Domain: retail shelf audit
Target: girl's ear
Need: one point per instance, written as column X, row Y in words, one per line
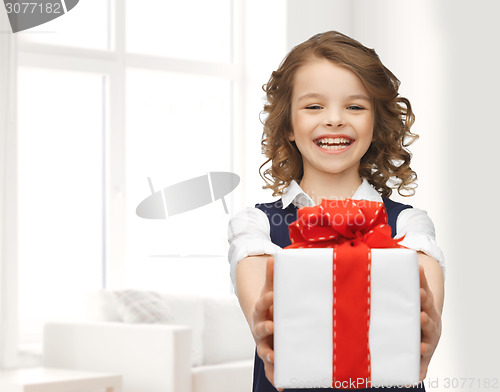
column 291, row 136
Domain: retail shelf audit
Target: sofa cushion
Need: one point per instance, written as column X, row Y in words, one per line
column 140, row 306
column 226, row 335
column 227, row 377
column 187, row 309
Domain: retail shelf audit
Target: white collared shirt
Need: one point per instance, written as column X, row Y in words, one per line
column 249, row 229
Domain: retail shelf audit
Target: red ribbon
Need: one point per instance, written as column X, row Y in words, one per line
column 351, row 227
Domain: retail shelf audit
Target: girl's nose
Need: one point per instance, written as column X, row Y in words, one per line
column 333, row 117
column 334, row 121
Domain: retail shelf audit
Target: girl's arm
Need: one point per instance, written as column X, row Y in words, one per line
column 435, row 279
column 254, row 279
column 250, row 279
column 431, row 299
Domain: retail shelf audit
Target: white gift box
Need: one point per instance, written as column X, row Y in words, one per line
column 303, row 301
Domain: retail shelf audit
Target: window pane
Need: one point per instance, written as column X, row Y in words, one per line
column 87, row 25
column 178, row 127
column 191, row 29
column 60, row 194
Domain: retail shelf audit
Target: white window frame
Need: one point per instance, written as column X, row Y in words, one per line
column 113, row 64
column 8, row 197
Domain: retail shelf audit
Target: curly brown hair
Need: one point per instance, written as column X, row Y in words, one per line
column 387, row 159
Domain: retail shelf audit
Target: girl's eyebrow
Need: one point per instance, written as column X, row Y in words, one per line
column 310, row 95
column 359, row 96
column 316, row 95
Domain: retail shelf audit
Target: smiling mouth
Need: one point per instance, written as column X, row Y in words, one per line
column 335, row 143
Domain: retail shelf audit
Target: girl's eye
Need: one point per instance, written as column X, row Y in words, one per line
column 314, row 107
column 355, row 107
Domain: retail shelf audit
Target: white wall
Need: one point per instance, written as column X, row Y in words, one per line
column 446, row 55
column 306, row 18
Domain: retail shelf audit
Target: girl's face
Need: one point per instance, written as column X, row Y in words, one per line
column 332, row 118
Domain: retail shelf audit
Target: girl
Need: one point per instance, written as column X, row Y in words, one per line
column 335, row 129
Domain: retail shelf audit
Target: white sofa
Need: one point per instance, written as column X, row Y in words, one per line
column 188, row 344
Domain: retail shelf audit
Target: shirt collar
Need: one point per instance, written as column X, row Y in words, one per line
column 294, row 194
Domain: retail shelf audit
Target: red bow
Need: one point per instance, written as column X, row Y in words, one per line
column 334, row 222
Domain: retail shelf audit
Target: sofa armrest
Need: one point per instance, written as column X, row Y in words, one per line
column 151, row 357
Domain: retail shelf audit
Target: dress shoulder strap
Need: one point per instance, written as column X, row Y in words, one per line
column 279, row 219
column 393, row 209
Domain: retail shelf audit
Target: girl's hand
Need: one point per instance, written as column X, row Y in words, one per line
column 430, row 321
column 263, row 325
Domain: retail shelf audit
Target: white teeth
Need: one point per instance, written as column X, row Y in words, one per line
column 333, row 143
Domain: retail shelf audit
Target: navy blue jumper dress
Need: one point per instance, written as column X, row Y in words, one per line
column 279, row 219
